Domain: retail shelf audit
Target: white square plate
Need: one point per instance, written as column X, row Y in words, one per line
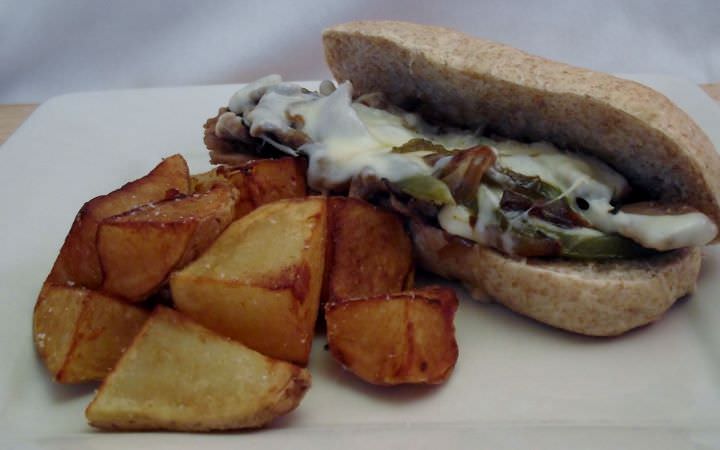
column 517, row 384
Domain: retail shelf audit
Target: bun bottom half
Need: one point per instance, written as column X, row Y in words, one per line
column 595, row 298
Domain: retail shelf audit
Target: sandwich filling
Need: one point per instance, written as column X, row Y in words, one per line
column 524, row 199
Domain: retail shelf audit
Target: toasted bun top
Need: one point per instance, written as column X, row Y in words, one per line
column 478, row 83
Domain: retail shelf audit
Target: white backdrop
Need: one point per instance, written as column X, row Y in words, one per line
column 52, row 47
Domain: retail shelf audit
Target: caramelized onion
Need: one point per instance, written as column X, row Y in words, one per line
column 557, row 212
column 464, row 172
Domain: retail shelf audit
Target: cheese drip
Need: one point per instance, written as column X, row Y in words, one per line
column 347, row 139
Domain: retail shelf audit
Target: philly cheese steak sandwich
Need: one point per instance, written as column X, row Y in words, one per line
column 573, row 197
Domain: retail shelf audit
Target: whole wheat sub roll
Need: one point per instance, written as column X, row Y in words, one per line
column 475, row 83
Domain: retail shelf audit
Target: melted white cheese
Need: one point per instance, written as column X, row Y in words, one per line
column 344, row 145
column 455, row 219
column 579, row 176
column 584, row 176
column 667, row 232
column 660, row 232
column 348, row 139
column 247, row 98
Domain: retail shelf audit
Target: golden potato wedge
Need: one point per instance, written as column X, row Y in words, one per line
column 260, row 281
column 203, row 182
column 78, row 262
column 267, row 180
column 369, row 251
column 80, row 334
column 178, row 375
column 245, row 202
column 258, row 181
column 139, row 248
column 408, row 337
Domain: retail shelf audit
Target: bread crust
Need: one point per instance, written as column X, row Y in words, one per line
column 482, row 84
column 599, row 298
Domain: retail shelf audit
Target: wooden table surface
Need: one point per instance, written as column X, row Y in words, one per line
column 11, row 116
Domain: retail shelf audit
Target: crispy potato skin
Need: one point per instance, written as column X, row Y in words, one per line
column 407, row 337
column 78, row 261
column 247, row 256
column 122, row 248
column 139, row 248
column 221, row 383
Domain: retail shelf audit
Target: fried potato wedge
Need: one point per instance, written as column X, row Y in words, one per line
column 178, row 375
column 80, row 334
column 139, row 248
column 78, row 261
column 269, row 180
column 369, row 251
column 408, row 337
column 260, row 281
column 236, row 177
column 258, row 182
column 203, row 182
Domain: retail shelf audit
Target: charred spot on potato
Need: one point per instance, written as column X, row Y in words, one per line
column 301, row 284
